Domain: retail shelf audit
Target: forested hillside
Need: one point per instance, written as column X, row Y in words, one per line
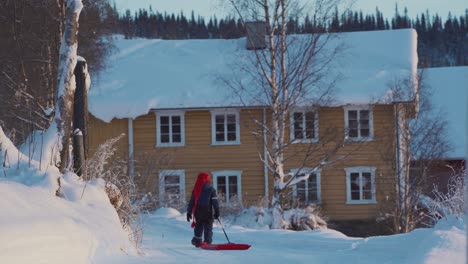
column 441, row 42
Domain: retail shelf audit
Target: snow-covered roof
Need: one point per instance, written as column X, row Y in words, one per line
column 150, row 74
column 449, row 88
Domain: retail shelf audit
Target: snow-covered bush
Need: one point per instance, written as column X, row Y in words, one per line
column 114, row 170
column 309, row 218
column 147, row 202
column 259, row 217
column 452, row 203
column 233, row 207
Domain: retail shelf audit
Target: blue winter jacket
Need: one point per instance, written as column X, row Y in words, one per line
column 206, row 203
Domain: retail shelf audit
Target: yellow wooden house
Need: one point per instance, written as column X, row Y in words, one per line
column 162, row 95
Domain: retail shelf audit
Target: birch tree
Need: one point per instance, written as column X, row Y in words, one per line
column 290, row 72
column 66, row 80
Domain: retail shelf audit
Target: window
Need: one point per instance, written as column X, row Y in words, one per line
column 171, row 188
column 228, row 186
column 225, row 128
column 304, row 126
column 360, row 185
column 307, row 191
column 170, row 128
column 359, row 123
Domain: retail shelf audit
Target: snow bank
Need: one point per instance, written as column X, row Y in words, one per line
column 451, row 235
column 158, row 74
column 166, row 212
column 38, row 227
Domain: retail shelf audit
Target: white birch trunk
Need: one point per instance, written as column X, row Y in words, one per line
column 66, row 82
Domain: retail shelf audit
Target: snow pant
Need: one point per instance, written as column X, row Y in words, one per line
column 203, row 229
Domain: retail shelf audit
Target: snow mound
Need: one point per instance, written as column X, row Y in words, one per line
column 39, row 227
column 166, row 212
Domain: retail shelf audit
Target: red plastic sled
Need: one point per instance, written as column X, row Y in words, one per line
column 228, row 246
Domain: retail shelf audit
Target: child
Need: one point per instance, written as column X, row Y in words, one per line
column 201, row 205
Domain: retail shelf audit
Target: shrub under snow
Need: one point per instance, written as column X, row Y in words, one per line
column 261, row 218
column 452, row 203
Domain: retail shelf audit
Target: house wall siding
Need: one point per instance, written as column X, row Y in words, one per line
column 100, row 131
column 199, row 155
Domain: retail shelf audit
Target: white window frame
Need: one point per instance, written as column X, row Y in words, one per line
column 225, row 112
column 291, row 126
column 159, row 114
column 371, row 122
column 318, row 176
column 225, row 173
column 161, row 183
column 360, row 170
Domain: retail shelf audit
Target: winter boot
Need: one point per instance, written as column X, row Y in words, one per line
column 196, row 242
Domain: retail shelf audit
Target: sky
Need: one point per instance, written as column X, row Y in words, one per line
column 209, row 8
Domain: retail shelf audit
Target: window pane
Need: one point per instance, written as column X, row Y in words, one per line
column 297, row 126
column 232, row 187
column 367, row 195
column 301, row 191
column 231, row 127
column 310, row 117
column 219, row 119
column 366, row 181
column 355, row 186
column 298, row 134
column 310, row 125
column 219, row 128
column 364, row 124
column 353, row 133
column 297, row 116
column 310, row 133
column 175, row 128
column 231, row 119
column 365, row 133
column 364, row 115
column 176, row 120
column 176, row 138
column 231, row 136
column 221, row 187
column 164, row 138
column 164, row 120
column 352, row 115
column 171, row 179
column 172, row 189
column 164, row 129
column 312, row 188
column 219, row 136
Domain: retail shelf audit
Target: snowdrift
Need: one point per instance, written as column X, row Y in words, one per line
column 38, row 227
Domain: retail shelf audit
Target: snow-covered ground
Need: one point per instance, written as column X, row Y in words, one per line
column 82, row 227
column 167, row 240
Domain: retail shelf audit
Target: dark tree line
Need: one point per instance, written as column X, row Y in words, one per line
column 150, row 24
column 30, row 38
column 440, row 43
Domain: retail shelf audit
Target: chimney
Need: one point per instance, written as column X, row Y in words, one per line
column 255, row 35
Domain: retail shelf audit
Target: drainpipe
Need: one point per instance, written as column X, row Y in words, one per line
column 397, row 136
column 265, row 158
column 131, row 167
